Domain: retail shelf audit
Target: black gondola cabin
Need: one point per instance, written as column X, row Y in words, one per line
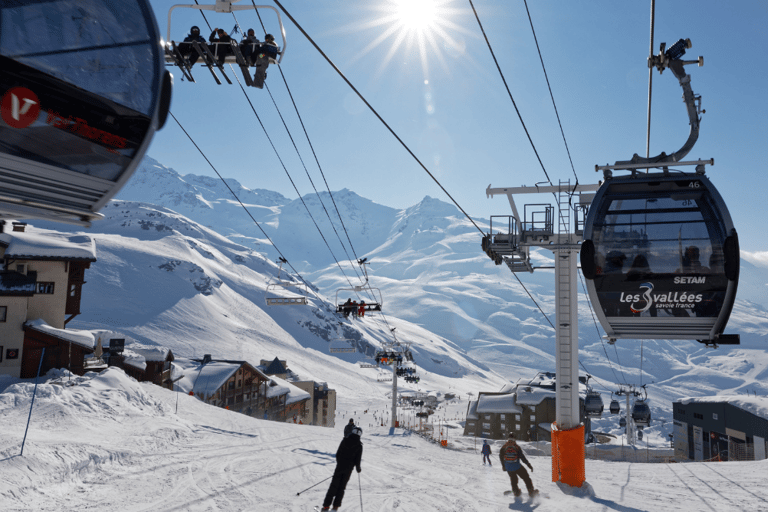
column 661, row 257
column 82, row 90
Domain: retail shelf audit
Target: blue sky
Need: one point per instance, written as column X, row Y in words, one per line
column 447, row 102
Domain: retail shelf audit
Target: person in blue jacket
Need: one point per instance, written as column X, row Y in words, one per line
column 486, row 451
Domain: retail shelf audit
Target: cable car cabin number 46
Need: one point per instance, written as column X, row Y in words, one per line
column 660, row 251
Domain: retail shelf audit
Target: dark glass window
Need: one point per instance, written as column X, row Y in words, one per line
column 104, row 47
column 45, row 288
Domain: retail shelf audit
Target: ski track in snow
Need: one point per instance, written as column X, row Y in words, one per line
column 142, row 456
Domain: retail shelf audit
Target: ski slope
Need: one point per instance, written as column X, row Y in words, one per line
column 105, row 442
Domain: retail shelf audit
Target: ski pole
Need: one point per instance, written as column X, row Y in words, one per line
column 359, row 486
column 311, row 486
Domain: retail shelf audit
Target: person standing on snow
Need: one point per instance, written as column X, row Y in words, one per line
column 486, row 451
column 348, row 456
column 510, row 456
column 349, row 426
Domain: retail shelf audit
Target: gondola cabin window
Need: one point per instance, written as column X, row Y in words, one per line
column 3, row 313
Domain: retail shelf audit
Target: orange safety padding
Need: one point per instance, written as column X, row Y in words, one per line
column 568, row 455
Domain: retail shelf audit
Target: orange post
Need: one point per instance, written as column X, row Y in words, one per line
column 568, row 456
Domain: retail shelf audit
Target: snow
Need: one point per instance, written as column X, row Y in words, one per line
column 498, row 403
column 38, row 243
column 196, row 285
column 104, row 441
column 533, row 395
column 757, row 405
column 79, row 337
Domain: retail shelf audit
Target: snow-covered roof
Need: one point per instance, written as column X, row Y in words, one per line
column 83, row 338
column 532, row 395
column 149, row 352
column 498, row 404
column 281, row 387
column 757, row 405
column 208, row 378
column 44, row 244
column 472, row 413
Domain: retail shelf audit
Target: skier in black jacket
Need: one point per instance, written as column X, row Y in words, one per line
column 348, row 428
column 348, row 456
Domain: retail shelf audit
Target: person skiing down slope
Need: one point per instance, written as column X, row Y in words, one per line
column 510, row 456
column 348, row 456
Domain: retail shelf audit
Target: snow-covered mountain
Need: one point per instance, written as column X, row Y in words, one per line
column 187, row 267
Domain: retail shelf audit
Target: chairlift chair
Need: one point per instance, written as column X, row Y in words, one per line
column 346, row 309
column 209, row 52
column 273, row 300
column 83, row 89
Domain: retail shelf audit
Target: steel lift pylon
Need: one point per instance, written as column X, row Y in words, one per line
column 513, row 248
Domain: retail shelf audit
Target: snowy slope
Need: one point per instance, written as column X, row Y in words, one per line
column 162, row 279
column 109, row 443
column 427, row 262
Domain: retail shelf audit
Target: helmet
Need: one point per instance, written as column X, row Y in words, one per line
column 357, row 431
column 195, row 29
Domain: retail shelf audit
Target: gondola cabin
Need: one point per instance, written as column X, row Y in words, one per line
column 661, row 258
column 622, row 422
column 83, row 89
column 641, row 414
column 593, row 404
column 615, row 408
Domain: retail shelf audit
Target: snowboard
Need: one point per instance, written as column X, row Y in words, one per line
column 522, row 495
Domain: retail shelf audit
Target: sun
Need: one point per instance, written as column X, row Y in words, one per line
column 416, row 15
column 423, row 28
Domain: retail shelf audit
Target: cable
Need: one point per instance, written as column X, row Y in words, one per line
column 594, row 320
column 373, row 110
column 509, row 92
column 241, row 204
column 550, row 91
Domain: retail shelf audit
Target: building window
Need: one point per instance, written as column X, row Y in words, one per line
column 517, row 417
column 487, row 416
column 502, row 417
column 533, row 418
column 503, row 427
column 517, row 427
column 3, row 313
column 21, row 269
column 45, row 288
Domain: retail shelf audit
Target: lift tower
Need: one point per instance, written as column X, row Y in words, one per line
column 537, row 229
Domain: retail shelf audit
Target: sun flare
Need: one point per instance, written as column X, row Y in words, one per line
column 418, row 15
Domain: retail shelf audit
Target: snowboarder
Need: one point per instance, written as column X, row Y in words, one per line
column 349, row 426
column 348, row 456
column 510, row 456
column 486, row 451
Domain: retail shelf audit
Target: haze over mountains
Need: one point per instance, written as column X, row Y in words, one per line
column 181, row 264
